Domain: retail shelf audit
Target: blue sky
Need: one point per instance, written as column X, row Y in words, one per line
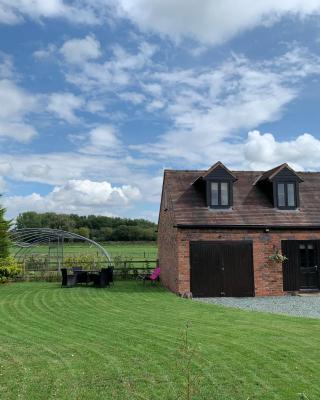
column 99, row 96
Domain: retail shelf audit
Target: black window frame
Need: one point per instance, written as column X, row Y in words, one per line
column 296, row 195
column 209, row 193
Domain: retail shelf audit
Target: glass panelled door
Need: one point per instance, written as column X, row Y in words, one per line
column 309, row 278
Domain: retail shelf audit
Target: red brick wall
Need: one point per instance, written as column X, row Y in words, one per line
column 174, row 254
column 167, row 249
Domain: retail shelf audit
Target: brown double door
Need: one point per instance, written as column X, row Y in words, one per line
column 300, row 270
column 221, row 268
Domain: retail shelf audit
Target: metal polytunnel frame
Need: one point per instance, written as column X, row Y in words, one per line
column 26, row 239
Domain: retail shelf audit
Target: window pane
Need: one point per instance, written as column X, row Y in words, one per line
column 291, row 196
column 214, row 194
column 281, row 199
column 224, row 194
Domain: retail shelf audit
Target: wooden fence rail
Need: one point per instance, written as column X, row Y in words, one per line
column 123, row 270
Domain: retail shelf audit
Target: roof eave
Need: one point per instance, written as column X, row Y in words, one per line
column 264, row 227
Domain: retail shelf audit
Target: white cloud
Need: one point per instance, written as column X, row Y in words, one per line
column 127, row 61
column 77, row 196
column 78, row 51
column 215, row 105
column 15, row 11
column 64, row 106
column 6, row 66
column 132, row 97
column 2, row 185
column 119, row 71
column 60, row 167
column 155, row 105
column 44, row 53
column 14, row 100
column 8, row 15
column 5, row 168
column 37, row 171
column 211, row 21
column 95, row 106
column 16, row 104
column 96, row 194
column 151, row 187
column 211, row 107
column 154, row 89
column 18, row 131
column 102, row 140
column 263, row 151
column 130, row 178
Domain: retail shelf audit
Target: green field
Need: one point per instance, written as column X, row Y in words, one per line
column 126, row 343
column 134, row 250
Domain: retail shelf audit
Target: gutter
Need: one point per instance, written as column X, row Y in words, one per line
column 263, row 227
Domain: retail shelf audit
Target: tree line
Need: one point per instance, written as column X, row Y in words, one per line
column 95, row 227
column 4, row 236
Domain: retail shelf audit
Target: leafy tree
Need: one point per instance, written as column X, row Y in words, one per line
column 106, row 233
column 96, row 227
column 84, row 231
column 4, row 236
column 29, row 219
column 120, row 233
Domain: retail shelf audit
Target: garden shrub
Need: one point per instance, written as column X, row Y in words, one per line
column 9, row 269
column 43, row 276
column 36, row 263
column 86, row 261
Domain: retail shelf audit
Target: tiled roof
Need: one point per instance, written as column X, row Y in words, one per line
column 251, row 207
column 274, row 171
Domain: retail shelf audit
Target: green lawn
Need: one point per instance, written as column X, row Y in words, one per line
column 125, row 343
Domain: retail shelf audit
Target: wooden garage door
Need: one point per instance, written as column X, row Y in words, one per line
column 221, row 269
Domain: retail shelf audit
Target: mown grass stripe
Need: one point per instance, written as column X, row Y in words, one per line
column 124, row 343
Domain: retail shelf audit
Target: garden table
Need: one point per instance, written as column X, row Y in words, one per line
column 85, row 276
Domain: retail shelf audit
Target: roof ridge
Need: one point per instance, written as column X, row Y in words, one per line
column 184, row 170
column 235, row 171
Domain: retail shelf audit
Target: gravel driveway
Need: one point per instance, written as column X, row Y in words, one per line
column 300, row 306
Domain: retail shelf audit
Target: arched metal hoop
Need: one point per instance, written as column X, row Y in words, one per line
column 27, row 239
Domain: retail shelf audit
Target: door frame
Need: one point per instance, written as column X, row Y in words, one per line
column 316, row 261
column 291, row 266
column 225, row 242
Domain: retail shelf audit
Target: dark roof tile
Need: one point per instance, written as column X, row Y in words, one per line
column 251, row 205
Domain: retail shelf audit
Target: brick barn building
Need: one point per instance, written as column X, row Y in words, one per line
column 224, row 233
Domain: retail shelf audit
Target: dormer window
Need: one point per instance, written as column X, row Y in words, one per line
column 286, row 195
column 217, row 183
column 220, row 194
column 281, row 186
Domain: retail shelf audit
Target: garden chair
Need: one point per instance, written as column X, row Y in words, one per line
column 81, row 276
column 109, row 275
column 68, row 280
column 101, row 279
column 153, row 277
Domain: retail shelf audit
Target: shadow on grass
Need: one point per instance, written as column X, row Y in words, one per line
column 117, row 287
